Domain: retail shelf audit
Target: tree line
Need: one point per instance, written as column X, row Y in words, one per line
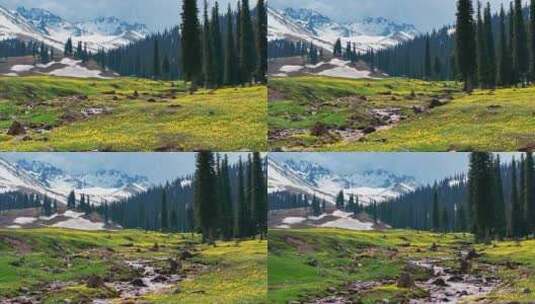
column 20, row 200
column 493, row 201
column 237, row 56
column 482, row 50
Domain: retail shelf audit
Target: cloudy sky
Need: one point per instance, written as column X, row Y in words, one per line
column 158, row 167
column 424, row 14
column 156, row 14
column 425, row 167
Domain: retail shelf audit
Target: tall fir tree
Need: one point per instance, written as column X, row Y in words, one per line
column 156, row 67
column 529, row 192
column 427, row 64
column 206, row 210
column 217, row 46
column 209, row 74
column 247, row 44
column 436, row 211
column 532, row 39
column 505, row 63
column 490, row 77
column 261, row 41
column 521, row 44
column 231, row 62
column 164, row 216
column 191, row 42
column 466, row 43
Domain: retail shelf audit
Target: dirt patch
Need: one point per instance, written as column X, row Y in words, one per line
column 300, row 245
column 19, row 245
column 275, row 95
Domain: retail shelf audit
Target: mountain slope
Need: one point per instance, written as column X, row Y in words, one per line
column 313, row 179
column 42, row 25
column 312, row 26
column 45, row 179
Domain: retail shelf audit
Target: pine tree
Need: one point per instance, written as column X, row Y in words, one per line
column 512, row 43
column 436, row 211
column 490, row 63
column 261, row 41
column 445, row 221
column 529, row 192
column 166, row 67
column 230, row 76
column 207, row 51
column 156, row 64
column 466, row 45
column 247, row 43
column 217, row 46
column 481, row 46
column 227, row 212
column 71, row 201
column 438, row 68
column 516, row 207
column 240, row 224
column 205, row 199
column 427, row 68
column 500, row 222
column 164, row 216
column 316, row 208
column 461, row 218
column 337, row 51
column 259, row 196
column 340, row 200
column 174, row 221
column 521, row 44
column 505, row 69
column 191, row 43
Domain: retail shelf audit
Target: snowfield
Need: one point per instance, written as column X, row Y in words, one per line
column 66, row 67
column 25, row 220
column 293, row 220
column 345, row 72
column 80, row 224
column 291, row 68
column 345, row 221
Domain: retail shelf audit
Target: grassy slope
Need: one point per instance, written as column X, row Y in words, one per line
column 467, row 123
column 346, row 256
column 30, row 258
column 223, row 120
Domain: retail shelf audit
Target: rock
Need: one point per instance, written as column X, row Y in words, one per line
column 332, row 290
column 174, row 265
column 465, row 266
column 24, row 290
column 151, row 100
column 185, row 254
column 369, row 130
column 95, row 281
column 456, row 278
column 115, row 98
column 405, row 280
column 177, row 290
column 440, row 282
column 160, row 279
column 16, row 129
column 472, row 254
column 418, row 109
column 433, row 247
column 319, row 129
column 138, row 283
column 526, row 291
column 312, row 262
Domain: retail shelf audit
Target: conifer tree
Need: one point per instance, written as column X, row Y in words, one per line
column 217, row 46
column 466, row 45
column 166, row 67
column 261, row 41
column 532, row 39
column 481, row 48
column 191, row 43
column 207, row 51
column 316, row 208
column 71, row 200
column 156, row 67
column 247, row 44
column 445, row 221
column 505, row 69
column 500, row 222
column 340, row 200
column 427, row 66
column 436, row 212
column 516, row 207
column 337, row 51
column 164, row 216
column 461, row 218
column 512, row 43
column 259, row 196
column 230, row 76
column 529, row 192
column 490, row 62
column 205, row 199
column 521, row 44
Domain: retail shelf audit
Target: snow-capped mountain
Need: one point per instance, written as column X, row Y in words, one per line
column 312, row 26
column 42, row 25
column 43, row 178
column 312, row 179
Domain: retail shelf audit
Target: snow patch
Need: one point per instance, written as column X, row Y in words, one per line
column 77, row 72
column 79, row 223
column 48, row 218
column 24, row 220
column 22, row 68
column 11, row 74
column 73, row 214
column 14, row 227
column 293, row 220
column 291, row 68
column 345, row 72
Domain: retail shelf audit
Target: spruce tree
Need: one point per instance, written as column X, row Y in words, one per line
column 217, row 46
column 516, row 207
column 436, row 211
column 481, row 47
column 156, row 64
column 532, row 39
column 209, row 73
column 340, row 200
column 529, row 192
column 427, row 65
column 206, row 209
column 521, row 44
column 490, row 64
column 505, row 69
column 164, row 216
column 247, row 44
column 261, row 41
column 337, row 51
column 259, row 196
column 466, row 45
column 500, row 221
column 191, row 43
column 230, row 71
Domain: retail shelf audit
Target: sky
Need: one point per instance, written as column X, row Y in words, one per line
column 425, row 167
column 158, row 167
column 156, row 14
column 426, row 15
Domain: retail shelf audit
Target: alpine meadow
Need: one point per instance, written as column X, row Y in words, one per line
column 195, row 233
column 379, row 230
column 375, row 84
column 109, row 85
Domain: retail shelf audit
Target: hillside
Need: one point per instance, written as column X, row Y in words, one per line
column 44, row 26
column 66, row 114
column 399, row 266
column 57, row 266
column 396, row 114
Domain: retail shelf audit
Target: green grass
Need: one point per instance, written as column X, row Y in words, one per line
column 500, row 120
column 163, row 117
column 304, row 263
column 235, row 272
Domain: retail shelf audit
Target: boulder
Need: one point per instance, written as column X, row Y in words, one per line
column 465, row 266
column 138, row 283
column 95, row 281
column 440, row 282
column 369, row 130
column 16, row 129
column 405, row 280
